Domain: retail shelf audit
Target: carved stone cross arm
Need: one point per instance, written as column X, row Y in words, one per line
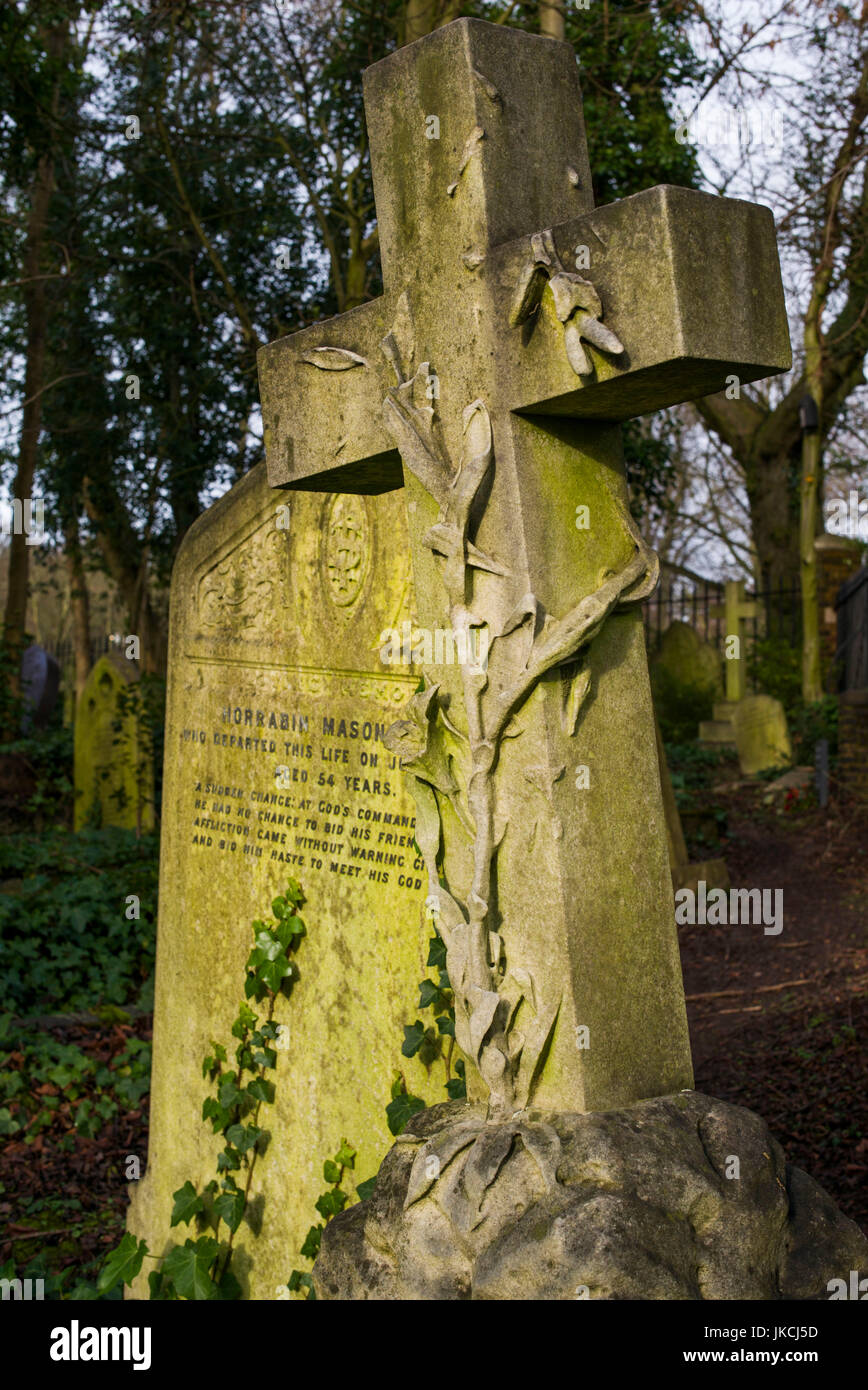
column 688, row 283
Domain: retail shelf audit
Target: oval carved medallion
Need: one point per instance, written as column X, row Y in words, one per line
column 346, row 549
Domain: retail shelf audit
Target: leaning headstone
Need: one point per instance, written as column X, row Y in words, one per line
column 534, row 771
column 114, row 779
column 40, row 683
column 274, row 768
column 761, row 734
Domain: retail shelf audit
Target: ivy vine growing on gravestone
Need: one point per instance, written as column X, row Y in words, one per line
column 424, row 1041
column 201, row 1267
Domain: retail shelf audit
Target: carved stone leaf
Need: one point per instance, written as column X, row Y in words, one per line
column 410, row 426
column 483, row 1164
column 527, row 607
column 475, row 463
column 598, row 334
column 576, row 696
column 427, row 821
column 571, row 292
column 443, row 1147
column 399, row 344
column 544, row 1146
column 537, row 1037
column 576, row 355
column 332, row 359
column 483, row 1004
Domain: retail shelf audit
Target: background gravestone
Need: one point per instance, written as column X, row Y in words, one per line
column 273, row 663
column 761, row 734
column 40, row 683
column 114, row 779
column 686, row 680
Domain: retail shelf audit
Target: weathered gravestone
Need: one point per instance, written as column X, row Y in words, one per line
column 114, row 779
column 688, row 659
column 274, row 768
column 40, row 683
column 686, row 680
column 761, row 734
column 535, row 775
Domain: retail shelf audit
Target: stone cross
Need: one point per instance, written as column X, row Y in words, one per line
column 517, row 326
column 735, row 612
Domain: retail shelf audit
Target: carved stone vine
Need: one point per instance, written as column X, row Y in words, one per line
column 577, row 304
column 448, row 766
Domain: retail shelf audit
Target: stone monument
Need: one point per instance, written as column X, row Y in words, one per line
column 489, row 378
column 114, row 777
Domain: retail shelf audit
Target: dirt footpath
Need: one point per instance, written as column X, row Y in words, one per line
column 779, row 1023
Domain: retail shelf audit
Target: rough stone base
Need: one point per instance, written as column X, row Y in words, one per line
column 632, row 1203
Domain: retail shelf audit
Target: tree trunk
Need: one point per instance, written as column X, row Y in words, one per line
column 422, row 17
column 79, row 606
column 771, row 482
column 551, row 18
column 127, row 563
column 31, row 415
column 34, row 294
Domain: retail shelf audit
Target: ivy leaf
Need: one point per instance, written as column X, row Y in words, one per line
column 229, row 1206
column 188, row 1266
column 160, row 1289
column 261, row 1090
column 243, row 1137
column 228, row 1161
column 269, row 945
column 331, row 1171
column 456, row 1089
column 413, row 1036
column 401, row 1110
column 213, row 1111
column 279, row 907
column 330, row 1203
column 290, row 929
column 123, row 1264
column 428, row 992
column 365, row 1190
column 228, row 1094
column 273, row 973
column 294, row 892
column 446, row 1025
column 345, row 1155
column 246, row 1020
column 229, row 1286
column 187, row 1204
column 312, row 1242
column 437, row 952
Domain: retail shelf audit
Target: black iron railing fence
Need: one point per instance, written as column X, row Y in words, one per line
column 64, row 651
column 776, row 614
